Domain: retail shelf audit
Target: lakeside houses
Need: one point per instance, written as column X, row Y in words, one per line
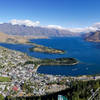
column 18, row 79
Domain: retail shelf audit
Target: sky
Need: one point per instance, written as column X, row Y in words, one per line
column 65, row 13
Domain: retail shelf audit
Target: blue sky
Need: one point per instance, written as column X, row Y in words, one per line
column 66, row 13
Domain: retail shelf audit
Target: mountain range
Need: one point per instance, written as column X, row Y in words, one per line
column 18, row 32
column 36, row 31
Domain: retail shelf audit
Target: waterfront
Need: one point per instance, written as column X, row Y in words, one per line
column 87, row 53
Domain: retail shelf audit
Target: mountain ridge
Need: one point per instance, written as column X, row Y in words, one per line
column 36, row 31
column 93, row 36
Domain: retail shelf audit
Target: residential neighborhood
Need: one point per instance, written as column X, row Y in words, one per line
column 20, row 79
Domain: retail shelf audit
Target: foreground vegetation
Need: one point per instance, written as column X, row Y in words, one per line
column 5, row 79
column 78, row 90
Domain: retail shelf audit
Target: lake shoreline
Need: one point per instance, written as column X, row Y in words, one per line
column 75, row 48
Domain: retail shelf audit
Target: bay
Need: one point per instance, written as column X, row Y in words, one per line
column 88, row 53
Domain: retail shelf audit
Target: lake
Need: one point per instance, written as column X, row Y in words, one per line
column 88, row 53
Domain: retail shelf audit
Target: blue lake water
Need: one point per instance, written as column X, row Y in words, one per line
column 88, row 53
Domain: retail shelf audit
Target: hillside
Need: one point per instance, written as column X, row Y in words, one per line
column 93, row 36
column 5, row 38
column 12, row 39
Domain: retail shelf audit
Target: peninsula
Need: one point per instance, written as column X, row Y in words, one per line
column 51, row 62
column 59, row 61
column 44, row 49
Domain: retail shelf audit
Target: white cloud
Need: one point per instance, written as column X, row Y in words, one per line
column 25, row 22
column 55, row 26
column 87, row 29
column 97, row 25
column 1, row 22
column 94, row 27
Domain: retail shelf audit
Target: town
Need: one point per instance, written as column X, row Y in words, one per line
column 20, row 79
